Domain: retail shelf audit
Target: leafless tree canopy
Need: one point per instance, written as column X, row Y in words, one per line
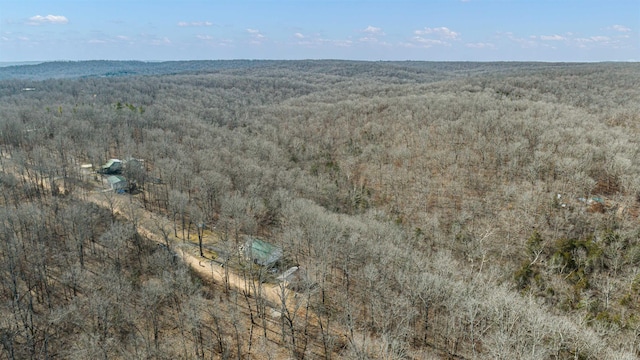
column 438, row 210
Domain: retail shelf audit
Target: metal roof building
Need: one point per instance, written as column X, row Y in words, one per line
column 261, row 252
column 113, row 166
column 117, row 183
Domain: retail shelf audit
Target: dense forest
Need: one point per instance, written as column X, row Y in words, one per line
column 432, row 210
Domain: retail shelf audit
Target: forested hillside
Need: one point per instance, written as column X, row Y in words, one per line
column 439, row 210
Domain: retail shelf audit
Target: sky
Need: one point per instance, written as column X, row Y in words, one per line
column 431, row 30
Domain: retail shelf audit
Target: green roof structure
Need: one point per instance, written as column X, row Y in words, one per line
column 113, row 166
column 261, row 252
column 117, row 182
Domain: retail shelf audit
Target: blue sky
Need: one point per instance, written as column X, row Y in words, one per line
column 468, row 30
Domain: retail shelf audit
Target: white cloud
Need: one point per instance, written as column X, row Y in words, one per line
column 315, row 41
column 372, row 30
column 570, row 40
column 104, row 39
column 594, row 41
column 439, row 36
column 371, row 35
column 551, row 37
column 194, row 23
column 299, row 35
column 443, row 32
column 374, row 41
column 407, row 45
column 204, row 37
column 425, row 42
column 164, row 41
column 525, row 43
column 342, row 43
column 257, row 37
column 11, row 37
column 620, row 28
column 480, row 45
column 368, row 39
column 49, row 19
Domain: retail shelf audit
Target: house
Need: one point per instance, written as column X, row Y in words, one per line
column 117, row 183
column 261, row 252
column 113, row 166
column 295, row 278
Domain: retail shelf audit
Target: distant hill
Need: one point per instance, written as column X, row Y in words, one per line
column 18, row 63
column 104, row 68
column 408, row 70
